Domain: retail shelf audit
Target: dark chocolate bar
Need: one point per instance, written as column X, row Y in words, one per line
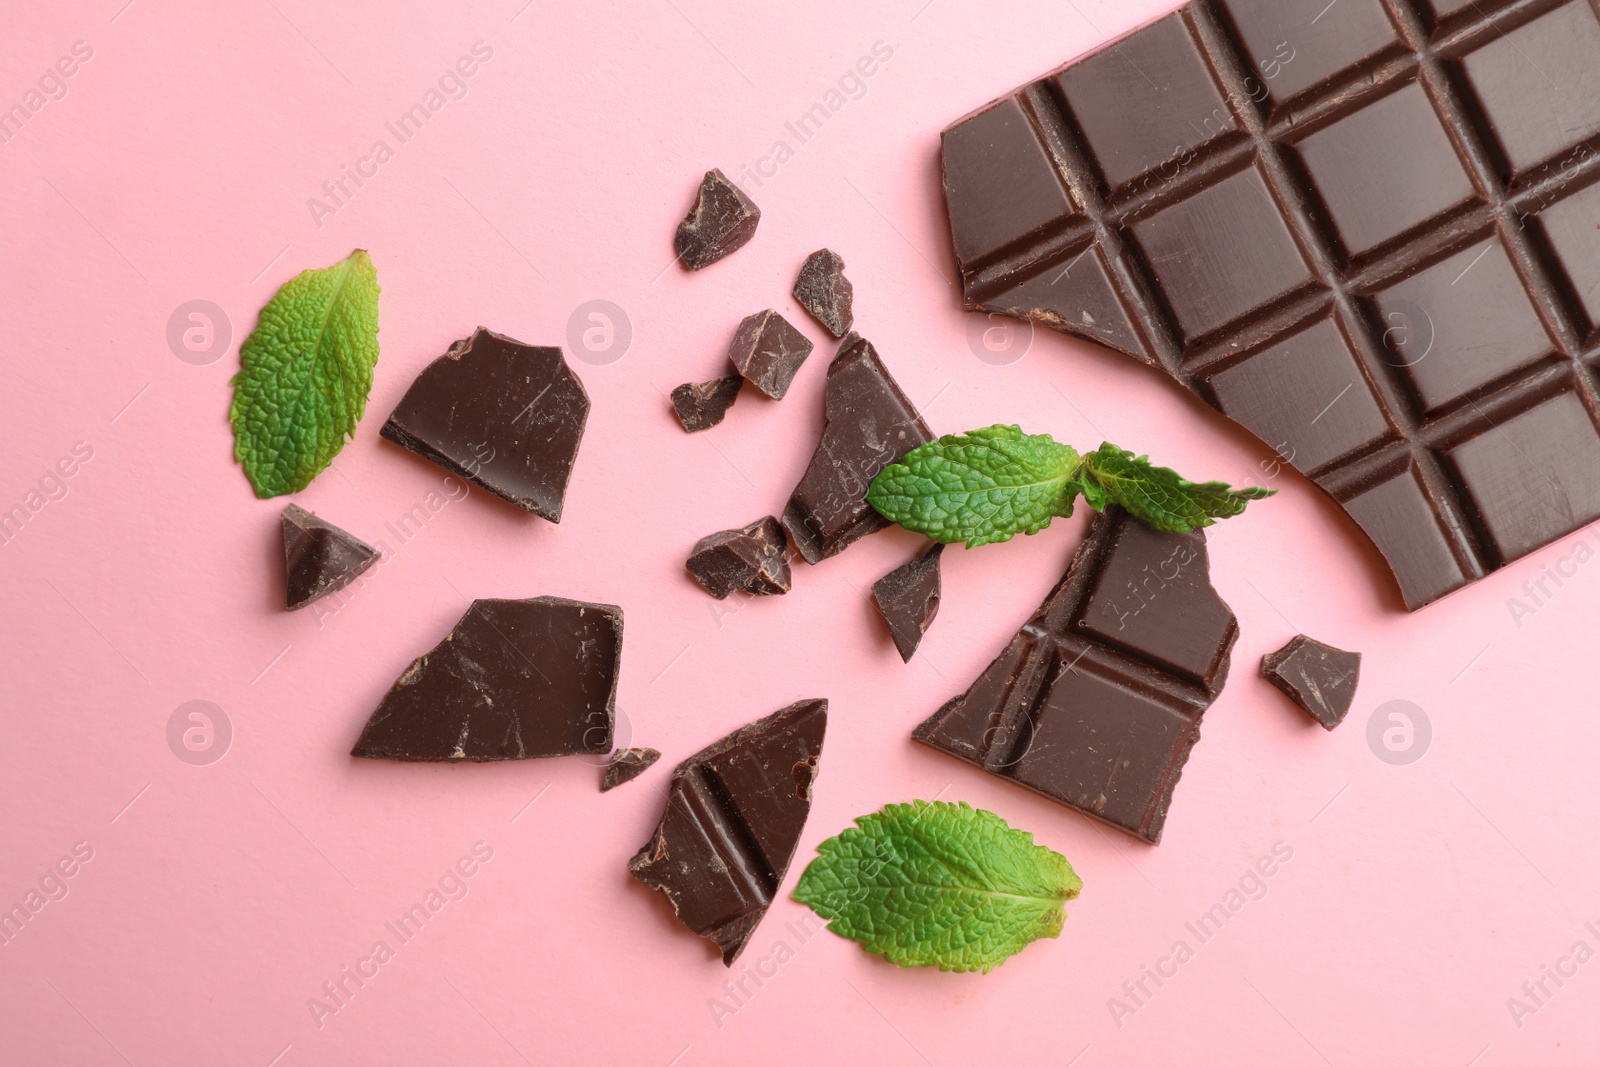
column 733, row 820
column 702, row 405
column 1097, row 700
column 754, row 560
column 1366, row 231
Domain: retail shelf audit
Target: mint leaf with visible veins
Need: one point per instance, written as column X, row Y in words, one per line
column 981, row 487
column 305, row 372
column 1158, row 496
column 939, row 885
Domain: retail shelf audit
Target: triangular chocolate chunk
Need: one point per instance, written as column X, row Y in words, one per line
column 319, row 557
column 625, row 765
column 868, row 423
column 502, row 414
column 1097, row 700
column 1319, row 678
column 719, row 223
column 908, row 599
column 515, row 679
column 734, row 815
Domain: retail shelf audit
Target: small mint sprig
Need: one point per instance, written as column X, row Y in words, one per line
column 992, row 484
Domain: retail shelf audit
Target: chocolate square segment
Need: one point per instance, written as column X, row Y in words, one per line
column 1539, row 84
column 1460, row 324
column 1146, row 101
column 1097, row 700
column 1402, row 521
column 1078, row 297
column 1536, row 477
column 1294, row 44
column 1110, row 750
column 1385, row 169
column 1572, row 227
column 1304, row 396
column 1000, row 183
column 1222, row 252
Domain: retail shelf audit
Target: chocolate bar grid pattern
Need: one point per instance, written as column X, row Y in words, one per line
column 1075, row 681
column 1266, row 137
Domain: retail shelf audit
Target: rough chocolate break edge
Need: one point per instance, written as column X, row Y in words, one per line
column 1097, row 700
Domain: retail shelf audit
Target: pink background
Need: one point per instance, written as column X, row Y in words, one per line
column 219, row 898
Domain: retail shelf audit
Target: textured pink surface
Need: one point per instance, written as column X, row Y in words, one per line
column 1418, row 900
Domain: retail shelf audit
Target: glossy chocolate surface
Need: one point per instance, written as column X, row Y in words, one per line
column 1097, row 700
column 515, row 679
column 319, row 558
column 1366, row 231
column 734, row 816
column 504, row 415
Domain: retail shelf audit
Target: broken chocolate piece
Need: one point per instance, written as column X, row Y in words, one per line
column 701, row 405
column 753, row 560
column 720, row 223
column 868, row 424
column 502, row 414
column 768, row 351
column 320, row 558
column 734, row 815
column 515, row 679
column 908, row 599
column 1319, row 678
column 1097, row 700
column 823, row 290
column 627, row 764
column 1295, row 210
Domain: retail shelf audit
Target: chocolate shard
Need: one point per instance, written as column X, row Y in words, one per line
column 1097, row 700
column 319, row 557
column 1303, row 229
column 720, row 223
column 734, row 815
column 868, row 424
column 701, row 405
column 1319, row 678
column 501, row 414
column 823, row 290
column 768, row 351
column 753, row 560
column 625, row 765
column 908, row 599
column 515, row 679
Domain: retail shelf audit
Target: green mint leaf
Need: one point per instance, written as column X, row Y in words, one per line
column 939, row 885
column 1158, row 496
column 980, row 487
column 304, row 375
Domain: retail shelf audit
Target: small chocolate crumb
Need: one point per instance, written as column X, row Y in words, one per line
column 753, row 560
column 823, row 290
column 720, row 223
column 1319, row 678
column 626, row 765
column 908, row 599
column 768, row 351
column 319, row 557
column 701, row 405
